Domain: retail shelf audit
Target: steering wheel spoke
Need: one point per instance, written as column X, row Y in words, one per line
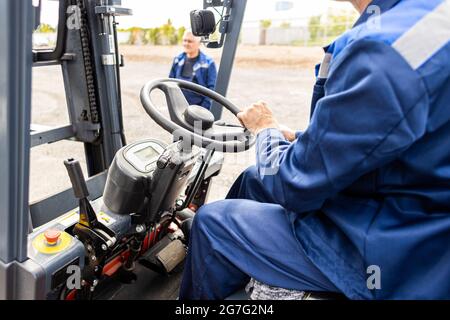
column 176, row 101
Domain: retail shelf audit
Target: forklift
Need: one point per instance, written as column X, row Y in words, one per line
column 123, row 232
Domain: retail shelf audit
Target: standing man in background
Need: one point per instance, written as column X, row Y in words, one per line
column 194, row 66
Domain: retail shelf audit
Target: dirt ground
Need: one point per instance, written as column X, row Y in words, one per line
column 281, row 76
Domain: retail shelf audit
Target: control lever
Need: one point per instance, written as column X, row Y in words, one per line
column 97, row 237
column 88, row 218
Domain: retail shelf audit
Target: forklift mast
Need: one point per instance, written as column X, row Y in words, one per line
column 87, row 51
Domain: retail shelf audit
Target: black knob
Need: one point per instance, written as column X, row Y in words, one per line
column 196, row 115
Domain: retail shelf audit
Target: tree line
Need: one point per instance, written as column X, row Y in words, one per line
column 334, row 26
column 167, row 34
column 321, row 29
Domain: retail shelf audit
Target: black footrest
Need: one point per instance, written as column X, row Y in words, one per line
column 164, row 256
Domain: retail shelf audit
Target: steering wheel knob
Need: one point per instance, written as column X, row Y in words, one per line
column 199, row 116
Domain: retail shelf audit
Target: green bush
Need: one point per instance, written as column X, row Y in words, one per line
column 152, row 36
column 45, row 28
column 265, row 24
column 180, row 34
column 320, row 33
column 167, row 34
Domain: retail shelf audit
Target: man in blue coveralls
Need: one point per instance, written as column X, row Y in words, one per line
column 365, row 188
column 194, row 66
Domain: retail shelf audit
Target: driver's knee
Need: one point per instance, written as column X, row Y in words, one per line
column 250, row 174
column 250, row 187
column 246, row 180
column 206, row 217
column 211, row 220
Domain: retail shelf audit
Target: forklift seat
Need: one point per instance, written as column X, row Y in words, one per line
column 273, row 293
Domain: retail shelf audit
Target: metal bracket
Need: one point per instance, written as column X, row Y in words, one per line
column 113, row 11
column 228, row 3
column 212, row 3
column 223, row 28
column 68, row 57
column 42, row 135
column 109, row 59
column 217, row 3
column 224, row 20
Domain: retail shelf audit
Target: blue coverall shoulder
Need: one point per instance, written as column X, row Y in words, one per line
column 179, row 58
column 387, row 26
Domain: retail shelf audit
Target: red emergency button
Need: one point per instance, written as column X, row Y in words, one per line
column 52, row 237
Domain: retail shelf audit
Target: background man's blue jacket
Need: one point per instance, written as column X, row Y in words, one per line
column 204, row 74
column 368, row 182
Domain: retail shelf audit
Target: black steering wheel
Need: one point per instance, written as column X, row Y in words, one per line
column 194, row 123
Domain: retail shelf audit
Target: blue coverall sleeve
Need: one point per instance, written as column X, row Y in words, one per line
column 210, row 84
column 172, row 73
column 375, row 107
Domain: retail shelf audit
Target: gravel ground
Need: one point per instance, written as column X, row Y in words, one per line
column 281, row 76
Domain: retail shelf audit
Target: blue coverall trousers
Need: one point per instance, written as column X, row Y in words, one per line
column 246, row 235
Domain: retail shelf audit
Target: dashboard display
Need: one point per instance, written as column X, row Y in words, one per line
column 146, row 154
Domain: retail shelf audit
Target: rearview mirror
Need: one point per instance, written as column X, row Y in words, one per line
column 203, row 23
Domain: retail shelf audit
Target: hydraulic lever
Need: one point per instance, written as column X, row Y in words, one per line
column 88, row 218
column 97, row 238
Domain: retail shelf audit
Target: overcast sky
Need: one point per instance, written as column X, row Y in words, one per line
column 152, row 13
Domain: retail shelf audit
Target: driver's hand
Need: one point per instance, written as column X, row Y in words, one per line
column 288, row 133
column 257, row 117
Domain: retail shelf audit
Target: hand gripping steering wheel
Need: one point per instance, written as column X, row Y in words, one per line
column 195, row 123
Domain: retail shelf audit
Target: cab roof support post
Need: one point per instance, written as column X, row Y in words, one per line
column 16, row 25
column 229, row 50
